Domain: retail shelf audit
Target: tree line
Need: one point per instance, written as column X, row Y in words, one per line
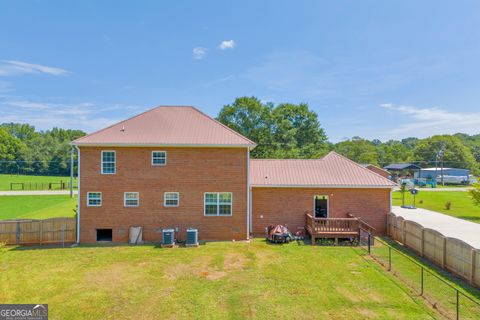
column 293, row 131
column 24, row 150
column 284, row 130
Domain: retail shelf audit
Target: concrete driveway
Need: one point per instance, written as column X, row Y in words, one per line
column 449, row 226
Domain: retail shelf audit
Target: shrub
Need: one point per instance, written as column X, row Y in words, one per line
column 475, row 193
column 448, row 205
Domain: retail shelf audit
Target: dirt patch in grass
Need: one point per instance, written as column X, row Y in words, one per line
column 264, row 258
column 367, row 314
column 114, row 276
column 212, row 273
column 347, row 294
column 234, row 261
column 204, row 269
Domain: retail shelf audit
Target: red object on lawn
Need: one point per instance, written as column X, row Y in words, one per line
column 279, row 234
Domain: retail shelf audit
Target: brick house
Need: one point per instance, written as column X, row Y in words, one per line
column 175, row 167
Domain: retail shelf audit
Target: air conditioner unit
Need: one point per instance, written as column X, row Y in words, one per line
column 168, row 237
column 192, row 237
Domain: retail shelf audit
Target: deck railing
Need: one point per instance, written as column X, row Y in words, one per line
column 332, row 225
column 336, row 227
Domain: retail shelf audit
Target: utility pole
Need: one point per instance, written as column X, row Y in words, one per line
column 71, row 173
column 440, row 157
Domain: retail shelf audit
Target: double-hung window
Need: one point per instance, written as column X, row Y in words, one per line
column 159, row 158
column 171, row 199
column 218, row 204
column 94, row 199
column 108, row 162
column 131, row 199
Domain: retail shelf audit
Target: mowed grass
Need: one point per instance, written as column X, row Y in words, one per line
column 36, row 207
column 462, row 205
column 219, row 280
column 406, row 265
column 38, row 182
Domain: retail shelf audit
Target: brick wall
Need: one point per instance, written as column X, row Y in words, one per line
column 273, row 206
column 189, row 171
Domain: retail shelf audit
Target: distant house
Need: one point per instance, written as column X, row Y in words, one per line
column 175, row 167
column 401, row 166
column 377, row 170
column 450, row 175
column 432, row 173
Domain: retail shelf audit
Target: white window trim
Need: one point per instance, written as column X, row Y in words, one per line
column 94, row 205
column 218, row 205
column 159, row 164
column 101, row 162
column 125, row 199
column 165, row 199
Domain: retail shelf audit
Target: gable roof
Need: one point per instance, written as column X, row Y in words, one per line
column 402, row 166
column 167, row 126
column 333, row 170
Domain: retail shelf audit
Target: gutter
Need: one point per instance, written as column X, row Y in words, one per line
column 78, row 194
column 323, row 186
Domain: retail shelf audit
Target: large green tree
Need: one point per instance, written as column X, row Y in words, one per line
column 12, row 152
column 40, row 152
column 283, row 131
column 358, row 150
column 252, row 119
column 455, row 154
column 297, row 132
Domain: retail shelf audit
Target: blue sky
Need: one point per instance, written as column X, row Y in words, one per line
column 376, row 69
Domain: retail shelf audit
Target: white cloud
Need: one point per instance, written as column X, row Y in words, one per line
column 227, row 44
column 199, row 53
column 431, row 121
column 85, row 116
column 14, row 67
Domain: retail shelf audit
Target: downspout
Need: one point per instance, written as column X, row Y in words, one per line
column 248, row 193
column 391, row 192
column 78, row 194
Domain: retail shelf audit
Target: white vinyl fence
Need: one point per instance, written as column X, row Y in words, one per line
column 452, row 254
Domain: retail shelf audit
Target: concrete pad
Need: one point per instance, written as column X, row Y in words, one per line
column 464, row 230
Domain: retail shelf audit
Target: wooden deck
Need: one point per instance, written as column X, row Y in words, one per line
column 335, row 228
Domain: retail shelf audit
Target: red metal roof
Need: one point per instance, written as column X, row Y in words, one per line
column 167, row 125
column 333, row 170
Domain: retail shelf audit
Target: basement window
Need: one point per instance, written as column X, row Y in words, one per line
column 131, row 199
column 159, row 158
column 104, row 235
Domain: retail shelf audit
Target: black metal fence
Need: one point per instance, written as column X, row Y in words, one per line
column 60, row 185
column 449, row 300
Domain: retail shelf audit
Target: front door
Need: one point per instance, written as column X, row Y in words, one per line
column 321, row 206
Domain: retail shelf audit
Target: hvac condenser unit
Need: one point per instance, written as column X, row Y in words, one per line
column 168, row 237
column 192, row 237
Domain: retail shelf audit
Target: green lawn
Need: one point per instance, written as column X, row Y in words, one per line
column 38, row 182
column 462, row 204
column 36, row 207
column 436, row 291
column 219, row 280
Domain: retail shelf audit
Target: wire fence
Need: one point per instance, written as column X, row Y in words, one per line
column 450, row 301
